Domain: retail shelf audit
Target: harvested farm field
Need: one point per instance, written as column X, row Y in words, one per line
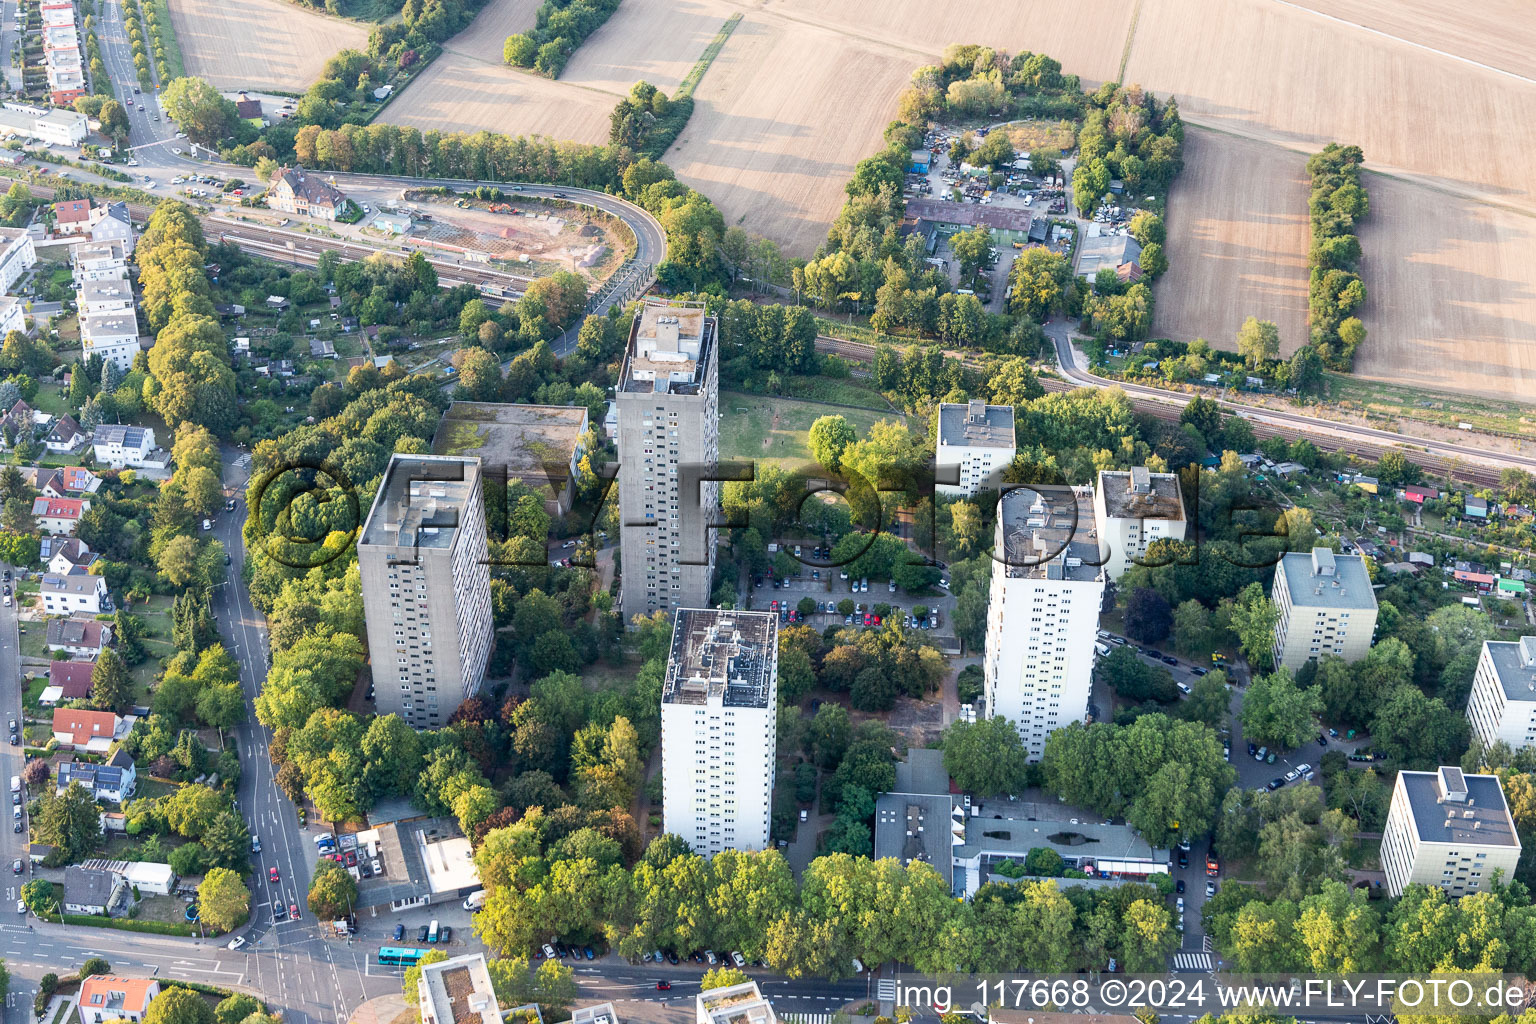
column 1237, row 242
column 259, row 44
column 469, row 89
column 1498, row 33
column 1279, row 72
column 1087, row 36
column 774, row 135
column 1452, row 297
column 460, row 93
column 657, row 41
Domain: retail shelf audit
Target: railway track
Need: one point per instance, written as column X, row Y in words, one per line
column 1456, row 468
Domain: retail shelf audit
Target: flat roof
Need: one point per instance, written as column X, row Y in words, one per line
column 1141, row 494
column 1481, row 817
column 100, row 288
column 669, row 349
column 919, row 827
column 459, row 991
column 118, row 324
column 420, row 501
column 1514, row 666
column 1324, row 579
column 734, row 1004
column 727, row 657
column 1017, row 836
column 535, row 443
column 922, row 772
column 976, row 425
column 1048, row 532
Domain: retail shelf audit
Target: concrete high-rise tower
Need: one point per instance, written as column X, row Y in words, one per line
column 669, row 418
column 426, row 587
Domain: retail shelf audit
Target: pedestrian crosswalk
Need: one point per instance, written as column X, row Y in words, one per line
column 1192, row 962
column 808, row 1018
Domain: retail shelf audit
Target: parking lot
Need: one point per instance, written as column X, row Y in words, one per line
column 831, row 590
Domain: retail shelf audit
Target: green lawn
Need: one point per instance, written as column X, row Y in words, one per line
column 34, row 642
column 837, row 392
column 774, row 430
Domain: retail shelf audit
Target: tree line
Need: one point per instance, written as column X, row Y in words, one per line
column 1335, row 290
column 543, row 885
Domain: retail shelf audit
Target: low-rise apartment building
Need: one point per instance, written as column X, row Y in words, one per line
column 1449, row 829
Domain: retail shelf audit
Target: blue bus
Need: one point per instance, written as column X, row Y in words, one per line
column 400, row 956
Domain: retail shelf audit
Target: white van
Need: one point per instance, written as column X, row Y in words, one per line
column 1102, row 650
column 475, row 900
column 15, row 783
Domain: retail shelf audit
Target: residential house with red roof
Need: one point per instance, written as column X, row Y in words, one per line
column 105, row 997
column 72, row 217
column 79, row 729
column 59, row 516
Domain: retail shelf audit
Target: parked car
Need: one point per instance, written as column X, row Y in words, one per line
column 548, row 951
column 421, row 936
column 399, row 932
column 739, row 960
column 1177, row 887
column 1210, row 889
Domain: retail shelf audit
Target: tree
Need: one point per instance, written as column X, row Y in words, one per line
column 971, row 248
column 1041, row 279
column 332, row 891
column 236, row 1008
column 1339, row 930
column 1192, row 632
column 1148, row 938
column 554, row 986
column 1278, row 713
column 520, row 50
column 1253, row 621
column 479, row 374
column 111, row 685
column 721, row 977
column 223, row 901
column 986, row 758
column 70, row 820
column 39, row 897
column 829, row 437
column 93, row 966
column 1208, row 700
column 1147, row 616
column 199, row 110
column 1258, row 341
column 179, row 1005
